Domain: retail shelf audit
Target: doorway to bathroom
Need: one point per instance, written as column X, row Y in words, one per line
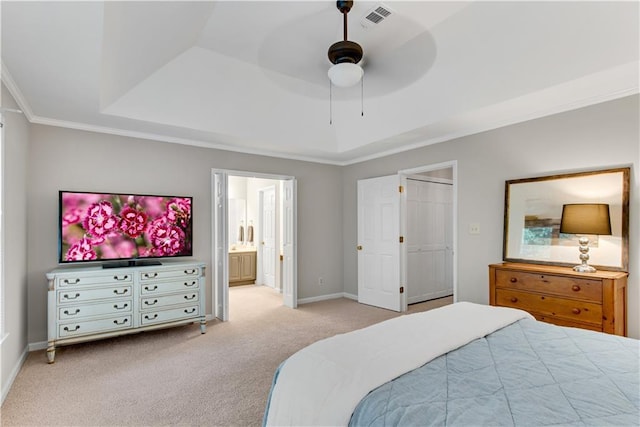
column 254, row 235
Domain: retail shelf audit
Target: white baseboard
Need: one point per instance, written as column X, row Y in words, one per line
column 350, row 296
column 14, row 373
column 326, row 297
column 34, row 346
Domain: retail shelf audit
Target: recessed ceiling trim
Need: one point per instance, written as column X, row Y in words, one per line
column 15, row 91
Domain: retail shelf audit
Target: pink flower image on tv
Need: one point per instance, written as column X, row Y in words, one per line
column 108, row 226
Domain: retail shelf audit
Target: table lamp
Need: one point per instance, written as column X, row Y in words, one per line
column 584, row 219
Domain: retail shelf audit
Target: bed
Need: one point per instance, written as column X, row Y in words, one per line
column 463, row 364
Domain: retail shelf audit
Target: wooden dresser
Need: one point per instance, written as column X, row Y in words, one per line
column 559, row 295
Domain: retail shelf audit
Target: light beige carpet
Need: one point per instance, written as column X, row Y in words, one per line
column 178, row 376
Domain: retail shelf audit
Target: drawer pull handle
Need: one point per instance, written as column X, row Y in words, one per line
column 514, row 299
column 575, row 311
column 155, row 316
column 125, row 305
column 187, row 311
column 66, row 328
column 513, row 279
column 147, row 288
column 66, row 296
column 190, row 297
column 575, row 288
column 74, row 282
column 125, row 277
column 150, row 276
column 190, row 284
column 124, row 291
column 121, row 323
column 155, row 301
column 72, row 314
column 189, row 272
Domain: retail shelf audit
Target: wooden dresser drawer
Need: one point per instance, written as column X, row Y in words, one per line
column 575, row 310
column 564, row 322
column 584, row 289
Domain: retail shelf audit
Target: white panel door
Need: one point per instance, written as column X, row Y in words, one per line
column 378, row 242
column 429, row 240
column 267, row 254
column 289, row 236
column 221, row 248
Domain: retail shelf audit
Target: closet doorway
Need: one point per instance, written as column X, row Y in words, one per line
column 254, row 235
column 421, row 264
column 429, row 236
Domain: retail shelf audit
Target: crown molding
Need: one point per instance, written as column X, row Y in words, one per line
column 15, row 91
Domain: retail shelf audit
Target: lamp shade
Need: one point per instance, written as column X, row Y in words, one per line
column 585, row 218
column 345, row 74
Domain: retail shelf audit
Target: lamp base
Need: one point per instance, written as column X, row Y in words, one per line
column 584, row 268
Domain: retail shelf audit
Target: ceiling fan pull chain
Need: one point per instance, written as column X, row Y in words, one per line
column 330, row 104
column 362, row 97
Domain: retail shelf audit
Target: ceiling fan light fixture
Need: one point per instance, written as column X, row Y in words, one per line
column 345, row 74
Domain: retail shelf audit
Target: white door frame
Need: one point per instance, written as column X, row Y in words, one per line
column 220, row 239
column 404, row 174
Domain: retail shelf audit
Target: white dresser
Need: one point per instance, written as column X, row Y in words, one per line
column 91, row 303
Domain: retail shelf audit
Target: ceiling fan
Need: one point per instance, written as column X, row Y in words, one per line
column 345, row 55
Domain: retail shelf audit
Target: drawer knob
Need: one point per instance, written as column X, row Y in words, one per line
column 124, row 291
column 190, row 272
column 575, row 311
column 150, row 275
column 189, row 284
column 514, row 299
column 125, row 305
column 190, row 297
column 155, row 316
column 72, row 282
column 155, row 301
column 121, row 323
column 72, row 314
column 575, row 288
column 513, row 279
column 125, row 277
column 187, row 311
column 66, row 296
column 148, row 288
column 66, row 328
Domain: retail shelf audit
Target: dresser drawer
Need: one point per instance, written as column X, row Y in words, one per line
column 73, row 280
column 88, row 310
column 571, row 287
column 167, row 287
column 564, row 322
column 154, row 302
column 574, row 310
column 169, row 315
column 183, row 273
column 94, row 326
column 82, row 295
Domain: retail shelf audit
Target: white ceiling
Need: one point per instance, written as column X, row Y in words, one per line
column 251, row 76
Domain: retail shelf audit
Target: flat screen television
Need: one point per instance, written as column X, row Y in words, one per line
column 123, row 229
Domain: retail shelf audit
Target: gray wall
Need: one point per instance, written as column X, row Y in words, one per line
column 66, row 159
column 14, row 262
column 601, row 136
column 598, row 137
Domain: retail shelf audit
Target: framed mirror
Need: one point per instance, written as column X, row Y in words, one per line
column 533, row 210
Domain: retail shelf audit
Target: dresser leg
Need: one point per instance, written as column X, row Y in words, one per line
column 51, row 352
column 203, row 326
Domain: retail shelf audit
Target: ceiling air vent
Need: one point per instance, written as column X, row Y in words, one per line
column 376, row 16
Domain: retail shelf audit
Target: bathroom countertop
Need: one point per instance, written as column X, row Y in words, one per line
column 241, row 248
